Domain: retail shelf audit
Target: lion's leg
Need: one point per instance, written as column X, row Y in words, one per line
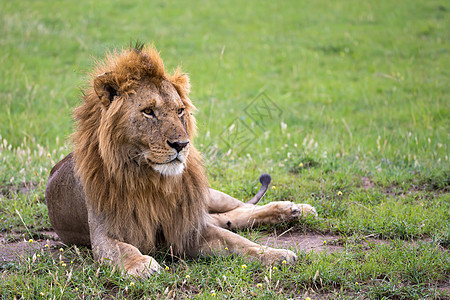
column 249, row 215
column 120, row 254
column 219, row 241
column 219, row 202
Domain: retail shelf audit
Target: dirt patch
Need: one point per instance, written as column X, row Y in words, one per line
column 436, row 186
column 11, row 251
column 367, row 183
column 22, row 188
column 445, row 290
column 301, row 241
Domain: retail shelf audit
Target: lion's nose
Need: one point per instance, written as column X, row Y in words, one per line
column 178, row 145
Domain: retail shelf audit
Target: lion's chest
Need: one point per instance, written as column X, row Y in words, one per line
column 154, row 227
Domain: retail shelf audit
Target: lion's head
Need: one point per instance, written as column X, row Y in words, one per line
column 133, row 147
column 145, row 113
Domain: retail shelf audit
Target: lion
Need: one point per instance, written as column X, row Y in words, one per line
column 135, row 183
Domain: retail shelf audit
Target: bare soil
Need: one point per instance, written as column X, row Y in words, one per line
column 301, row 241
column 10, row 251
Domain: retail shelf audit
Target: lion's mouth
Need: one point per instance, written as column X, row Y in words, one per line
column 173, row 166
column 176, row 160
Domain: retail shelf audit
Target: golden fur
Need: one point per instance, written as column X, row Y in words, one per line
column 140, row 206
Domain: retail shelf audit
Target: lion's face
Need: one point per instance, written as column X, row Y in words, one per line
column 149, row 126
column 157, row 128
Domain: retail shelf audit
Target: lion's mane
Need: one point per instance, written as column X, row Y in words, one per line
column 138, row 205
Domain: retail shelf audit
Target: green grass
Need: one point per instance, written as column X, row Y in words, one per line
column 359, row 130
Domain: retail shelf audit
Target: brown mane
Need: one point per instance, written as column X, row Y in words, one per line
column 141, row 206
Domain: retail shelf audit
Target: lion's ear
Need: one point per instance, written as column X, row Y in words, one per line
column 105, row 88
column 181, row 81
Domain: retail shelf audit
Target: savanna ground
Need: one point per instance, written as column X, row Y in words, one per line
column 344, row 103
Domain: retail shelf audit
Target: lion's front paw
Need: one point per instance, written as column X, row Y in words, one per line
column 143, row 266
column 275, row 256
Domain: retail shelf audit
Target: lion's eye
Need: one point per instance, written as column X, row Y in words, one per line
column 180, row 111
column 149, row 112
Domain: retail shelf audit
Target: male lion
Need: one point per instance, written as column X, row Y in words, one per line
column 135, row 182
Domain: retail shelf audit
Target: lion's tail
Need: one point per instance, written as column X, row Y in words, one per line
column 265, row 181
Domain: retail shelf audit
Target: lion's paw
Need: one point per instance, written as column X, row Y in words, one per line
column 144, row 266
column 276, row 256
column 304, row 210
column 290, row 211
